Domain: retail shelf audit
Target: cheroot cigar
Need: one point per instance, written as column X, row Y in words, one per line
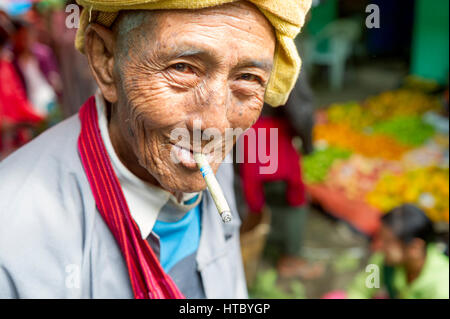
column 213, row 187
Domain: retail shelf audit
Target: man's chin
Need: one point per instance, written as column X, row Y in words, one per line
column 177, row 178
column 188, row 184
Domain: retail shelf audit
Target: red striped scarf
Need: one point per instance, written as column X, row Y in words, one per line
column 148, row 279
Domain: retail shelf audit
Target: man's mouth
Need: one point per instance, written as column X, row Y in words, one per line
column 185, row 156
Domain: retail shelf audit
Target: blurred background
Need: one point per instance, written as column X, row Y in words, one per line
column 365, row 130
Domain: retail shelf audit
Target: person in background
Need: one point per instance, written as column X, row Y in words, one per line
column 37, row 68
column 16, row 112
column 284, row 189
column 77, row 81
column 409, row 263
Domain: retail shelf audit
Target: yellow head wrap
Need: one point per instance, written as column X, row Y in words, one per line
column 287, row 17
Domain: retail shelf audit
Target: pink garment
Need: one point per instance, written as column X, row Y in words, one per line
column 338, row 294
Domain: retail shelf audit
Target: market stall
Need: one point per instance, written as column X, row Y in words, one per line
column 377, row 154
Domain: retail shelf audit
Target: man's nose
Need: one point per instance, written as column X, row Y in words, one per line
column 212, row 112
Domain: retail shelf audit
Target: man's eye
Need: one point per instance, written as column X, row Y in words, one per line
column 182, row 67
column 250, row 77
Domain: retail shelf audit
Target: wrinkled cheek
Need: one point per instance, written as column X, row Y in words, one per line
column 138, row 135
column 141, row 142
column 146, row 118
column 154, row 100
column 240, row 119
column 245, row 116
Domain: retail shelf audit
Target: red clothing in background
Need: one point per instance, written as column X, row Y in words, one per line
column 286, row 156
column 14, row 106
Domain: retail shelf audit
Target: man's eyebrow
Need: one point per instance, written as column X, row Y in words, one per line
column 265, row 65
column 187, row 51
column 190, row 51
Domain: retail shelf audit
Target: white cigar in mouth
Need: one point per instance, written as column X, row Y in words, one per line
column 213, row 187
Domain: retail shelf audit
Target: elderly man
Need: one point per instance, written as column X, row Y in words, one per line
column 97, row 207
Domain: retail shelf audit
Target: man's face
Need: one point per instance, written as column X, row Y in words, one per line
column 179, row 67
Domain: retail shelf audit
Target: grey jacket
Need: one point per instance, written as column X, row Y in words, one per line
column 55, row 244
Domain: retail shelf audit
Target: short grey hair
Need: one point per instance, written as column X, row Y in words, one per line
column 128, row 23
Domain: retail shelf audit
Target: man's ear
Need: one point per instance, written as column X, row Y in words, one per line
column 99, row 48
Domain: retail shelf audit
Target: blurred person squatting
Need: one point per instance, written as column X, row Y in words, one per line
column 407, row 262
column 95, row 207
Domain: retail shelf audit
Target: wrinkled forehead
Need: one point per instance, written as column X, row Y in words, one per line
column 240, row 10
column 239, row 23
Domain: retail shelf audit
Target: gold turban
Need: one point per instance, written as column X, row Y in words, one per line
column 286, row 16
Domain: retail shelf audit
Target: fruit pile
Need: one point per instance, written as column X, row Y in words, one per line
column 385, row 151
column 426, row 187
column 369, row 145
column 408, row 130
column 316, row 165
column 431, row 154
column 400, row 103
column 358, row 176
column 352, row 114
column 381, row 108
